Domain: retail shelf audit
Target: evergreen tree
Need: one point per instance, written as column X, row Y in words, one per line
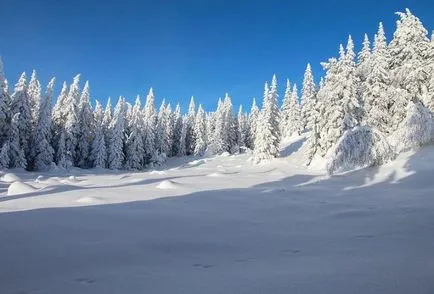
column 5, row 101
column 99, row 149
column 308, row 99
column 229, row 133
column 169, row 129
column 243, row 129
column 85, row 129
column 16, row 153
column 149, row 127
column 4, row 156
column 189, row 139
column 364, row 58
column 116, row 146
column 177, row 149
column 134, row 143
column 43, row 150
column 200, row 136
column 253, row 120
column 72, row 127
column 162, row 140
column 20, row 104
column 59, row 118
column 34, row 92
column 267, row 130
column 218, row 139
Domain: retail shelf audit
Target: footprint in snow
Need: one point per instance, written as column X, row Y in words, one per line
column 85, row 281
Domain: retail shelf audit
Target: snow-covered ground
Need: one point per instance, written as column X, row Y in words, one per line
column 221, row 225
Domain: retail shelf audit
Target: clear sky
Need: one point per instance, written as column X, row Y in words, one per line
column 202, row 48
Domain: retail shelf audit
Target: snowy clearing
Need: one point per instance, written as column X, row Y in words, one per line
column 271, row 228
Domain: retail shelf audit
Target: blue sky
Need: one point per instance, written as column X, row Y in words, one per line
column 185, row 48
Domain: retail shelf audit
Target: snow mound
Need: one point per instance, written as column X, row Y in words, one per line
column 196, row 162
column 216, row 175
column 225, row 154
column 10, row 178
column 17, row 188
column 47, row 181
column 157, row 172
column 88, row 199
column 73, row 179
column 168, row 184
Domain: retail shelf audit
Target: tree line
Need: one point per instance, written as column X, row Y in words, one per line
column 366, row 109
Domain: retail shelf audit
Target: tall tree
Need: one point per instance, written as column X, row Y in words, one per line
column 253, row 121
column 149, row 127
column 267, row 131
column 99, row 149
column 5, row 101
column 85, row 129
column 20, row 104
column 177, row 149
column 189, row 139
column 308, row 99
column 116, row 145
column 16, row 153
column 134, row 144
column 72, row 121
column 200, row 136
column 44, row 151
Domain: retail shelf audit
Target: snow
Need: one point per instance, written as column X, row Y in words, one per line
column 9, row 178
column 17, row 188
column 271, row 228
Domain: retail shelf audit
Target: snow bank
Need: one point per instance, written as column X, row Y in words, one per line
column 157, row 172
column 216, row 175
column 168, row 184
column 10, row 178
column 17, row 188
column 88, row 199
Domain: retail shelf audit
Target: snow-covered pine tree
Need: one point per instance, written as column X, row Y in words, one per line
column 308, row 99
column 16, row 153
column 363, row 60
column 149, row 127
column 229, row 127
column 200, row 136
column 342, row 109
column 267, row 130
column 189, row 139
column 177, row 149
column 410, row 50
column 182, row 151
column 59, row 118
column 285, row 111
column 134, row 144
column 217, row 143
column 99, row 149
column 61, row 153
column 20, row 104
column 5, row 101
column 44, row 152
column 243, row 129
column 72, row 130
column 34, row 92
column 116, row 145
column 378, row 93
column 4, row 155
column 169, row 129
column 161, row 139
column 85, row 129
column 253, row 120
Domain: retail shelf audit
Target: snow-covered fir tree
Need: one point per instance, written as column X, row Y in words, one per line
column 17, row 157
column 229, row 132
column 189, row 139
column 363, row 59
column 85, row 129
column 5, row 101
column 34, row 92
column 243, row 129
column 308, row 99
column 44, row 152
column 20, row 105
column 134, row 143
column 169, row 129
column 116, row 155
column 59, row 118
column 177, row 149
column 267, row 138
column 149, row 127
column 253, row 120
column 99, row 148
column 162, row 140
column 290, row 116
column 200, row 135
column 71, row 129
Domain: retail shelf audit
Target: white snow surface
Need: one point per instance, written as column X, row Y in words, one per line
column 273, row 228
